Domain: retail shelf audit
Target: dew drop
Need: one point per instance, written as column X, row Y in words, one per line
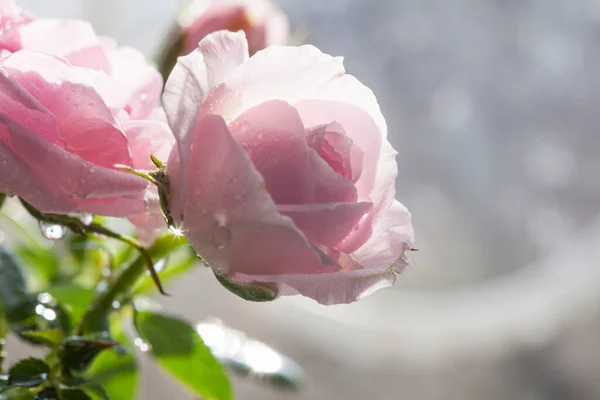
column 221, row 235
column 87, row 218
column 52, row 231
column 141, row 344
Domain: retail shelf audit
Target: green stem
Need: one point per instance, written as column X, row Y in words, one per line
column 77, row 226
column 93, row 319
column 2, row 199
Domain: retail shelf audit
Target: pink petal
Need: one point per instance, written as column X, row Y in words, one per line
column 87, row 127
column 392, row 237
column 227, row 215
column 381, row 256
column 273, row 136
column 56, row 181
column 337, row 149
column 142, row 81
column 335, row 288
column 379, row 169
column 203, row 18
column 145, row 138
column 325, row 224
column 19, row 104
column 195, row 76
column 285, row 73
column 277, row 30
column 74, row 40
column 11, row 16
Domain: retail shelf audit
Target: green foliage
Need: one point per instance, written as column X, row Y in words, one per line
column 30, row 372
column 115, row 370
column 77, row 353
column 13, row 289
column 74, row 298
column 179, row 349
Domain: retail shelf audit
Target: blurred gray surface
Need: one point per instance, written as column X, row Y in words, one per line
column 492, row 106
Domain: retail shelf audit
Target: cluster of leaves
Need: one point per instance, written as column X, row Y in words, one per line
column 49, row 299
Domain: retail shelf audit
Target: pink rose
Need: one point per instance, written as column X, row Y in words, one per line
column 74, row 105
column 75, row 40
column 282, row 175
column 59, row 139
column 262, row 21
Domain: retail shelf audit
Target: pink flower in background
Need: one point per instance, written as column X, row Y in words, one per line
column 262, row 21
column 76, row 41
column 59, row 140
column 73, row 105
column 282, row 173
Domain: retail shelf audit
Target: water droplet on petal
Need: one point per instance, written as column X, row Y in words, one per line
column 52, row 231
column 221, row 235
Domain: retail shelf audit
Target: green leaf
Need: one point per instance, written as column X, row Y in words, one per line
column 50, row 337
column 73, row 394
column 13, row 289
column 77, row 353
column 30, row 372
column 17, row 394
column 49, row 393
column 94, row 390
column 75, row 299
column 179, row 349
column 258, row 292
column 116, row 369
column 53, row 393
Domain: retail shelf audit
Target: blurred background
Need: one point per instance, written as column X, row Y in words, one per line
column 492, row 106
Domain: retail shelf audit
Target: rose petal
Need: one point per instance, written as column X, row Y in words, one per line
column 56, row 181
column 195, row 76
column 227, row 215
column 273, row 135
column 337, row 149
column 335, row 288
column 74, row 40
column 377, row 180
column 285, row 73
column 148, row 137
column 18, row 103
column 381, row 256
column 325, row 224
column 130, row 68
column 202, row 18
column 392, row 237
column 87, row 126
